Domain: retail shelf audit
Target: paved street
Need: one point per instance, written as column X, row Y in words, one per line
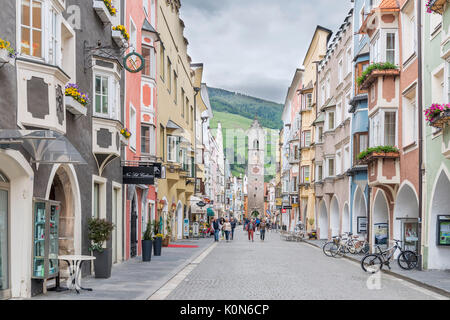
column 276, row 269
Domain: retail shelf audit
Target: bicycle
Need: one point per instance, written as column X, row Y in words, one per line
column 407, row 260
column 331, row 246
column 344, row 245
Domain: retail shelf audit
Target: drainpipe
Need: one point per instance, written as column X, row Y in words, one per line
column 420, row 122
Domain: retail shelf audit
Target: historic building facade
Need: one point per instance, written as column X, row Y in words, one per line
column 256, row 148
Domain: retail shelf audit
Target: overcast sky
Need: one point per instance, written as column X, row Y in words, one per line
column 254, row 46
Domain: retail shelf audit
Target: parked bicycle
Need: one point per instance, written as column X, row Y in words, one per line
column 373, row 263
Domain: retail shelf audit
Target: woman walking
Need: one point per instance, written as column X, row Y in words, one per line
column 227, row 229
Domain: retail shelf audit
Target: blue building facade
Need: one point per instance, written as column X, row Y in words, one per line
column 359, row 190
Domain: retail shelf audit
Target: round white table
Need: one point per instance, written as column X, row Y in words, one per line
column 75, row 262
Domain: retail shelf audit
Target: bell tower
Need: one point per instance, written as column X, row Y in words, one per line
column 256, row 149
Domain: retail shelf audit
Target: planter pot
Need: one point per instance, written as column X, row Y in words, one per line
column 103, row 263
column 5, row 58
column 441, row 120
column 118, row 38
column 147, row 250
column 74, row 107
column 124, row 140
column 102, row 11
column 165, row 242
column 157, row 246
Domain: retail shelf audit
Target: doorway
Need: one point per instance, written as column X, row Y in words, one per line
column 133, row 228
column 4, row 237
column 61, row 190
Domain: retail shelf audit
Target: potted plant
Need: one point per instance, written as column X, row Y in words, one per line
column 99, row 232
column 76, row 101
column 120, row 35
column 437, row 115
column 7, row 53
column 166, row 239
column 157, row 244
column 147, row 243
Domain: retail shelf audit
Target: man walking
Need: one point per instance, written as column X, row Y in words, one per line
column 233, row 226
column 215, row 226
column 251, row 229
column 262, row 229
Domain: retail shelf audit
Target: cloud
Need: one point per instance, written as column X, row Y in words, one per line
column 254, row 46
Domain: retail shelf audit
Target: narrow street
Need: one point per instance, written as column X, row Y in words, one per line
column 275, row 269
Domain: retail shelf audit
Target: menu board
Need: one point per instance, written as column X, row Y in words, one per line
column 444, row 230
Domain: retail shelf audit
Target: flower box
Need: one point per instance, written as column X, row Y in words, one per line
column 102, row 11
column 436, row 6
column 74, row 107
column 375, row 74
column 119, row 38
column 124, row 140
column 5, row 57
column 441, row 120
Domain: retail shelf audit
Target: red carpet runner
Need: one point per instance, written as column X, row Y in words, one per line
column 181, row 246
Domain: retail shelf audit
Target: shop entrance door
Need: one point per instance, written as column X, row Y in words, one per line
column 133, row 228
column 4, row 245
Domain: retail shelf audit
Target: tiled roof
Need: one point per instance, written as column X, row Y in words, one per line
column 387, row 5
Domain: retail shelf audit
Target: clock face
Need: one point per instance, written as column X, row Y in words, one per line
column 134, row 62
column 255, row 170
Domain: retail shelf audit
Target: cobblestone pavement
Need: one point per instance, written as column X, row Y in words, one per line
column 277, row 269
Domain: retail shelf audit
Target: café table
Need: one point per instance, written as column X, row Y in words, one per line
column 75, row 263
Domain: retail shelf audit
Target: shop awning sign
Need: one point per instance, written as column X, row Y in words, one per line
column 138, row 175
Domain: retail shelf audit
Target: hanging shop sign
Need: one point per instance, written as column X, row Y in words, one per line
column 138, row 175
column 443, row 230
column 134, row 62
column 362, row 224
column 201, row 204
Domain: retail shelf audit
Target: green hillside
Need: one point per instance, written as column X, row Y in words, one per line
column 229, row 110
column 267, row 112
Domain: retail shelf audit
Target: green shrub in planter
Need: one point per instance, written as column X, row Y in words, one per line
column 147, row 243
column 99, row 232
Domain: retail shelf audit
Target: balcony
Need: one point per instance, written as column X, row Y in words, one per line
column 374, row 72
column 106, row 140
column 383, row 166
column 40, row 95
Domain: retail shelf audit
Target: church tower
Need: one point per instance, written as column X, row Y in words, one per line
column 256, row 148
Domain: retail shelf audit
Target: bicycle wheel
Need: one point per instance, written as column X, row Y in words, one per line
column 351, row 247
column 407, row 260
column 371, row 263
column 337, row 251
column 326, row 248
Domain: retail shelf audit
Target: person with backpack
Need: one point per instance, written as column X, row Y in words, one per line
column 216, row 226
column 251, row 229
column 262, row 229
column 233, row 226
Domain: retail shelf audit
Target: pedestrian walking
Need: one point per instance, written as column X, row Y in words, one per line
column 262, row 230
column 216, row 227
column 222, row 222
column 233, row 226
column 251, row 229
column 227, row 229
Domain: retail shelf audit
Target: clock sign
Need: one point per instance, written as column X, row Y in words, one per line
column 133, row 62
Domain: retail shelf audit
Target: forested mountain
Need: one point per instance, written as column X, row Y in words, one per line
column 268, row 113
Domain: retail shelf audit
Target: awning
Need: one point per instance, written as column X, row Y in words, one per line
column 173, row 125
column 210, row 212
column 320, row 118
column 44, row 146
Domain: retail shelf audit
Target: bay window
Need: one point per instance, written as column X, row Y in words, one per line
column 31, row 28
column 338, row 162
column 148, row 140
column 305, row 174
column 320, row 134
column 383, row 129
column 306, row 139
column 360, row 144
column 330, row 167
column 319, row 172
column 390, row 47
column 106, row 92
column 172, row 146
column 330, row 121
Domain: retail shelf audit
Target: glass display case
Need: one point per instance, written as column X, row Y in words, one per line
column 45, row 239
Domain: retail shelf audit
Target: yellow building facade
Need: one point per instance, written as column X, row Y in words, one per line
column 175, row 119
column 316, row 52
